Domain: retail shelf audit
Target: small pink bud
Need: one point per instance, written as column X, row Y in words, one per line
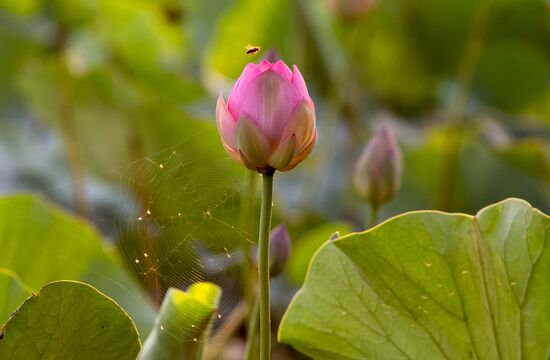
column 268, row 122
column 279, row 250
column 377, row 175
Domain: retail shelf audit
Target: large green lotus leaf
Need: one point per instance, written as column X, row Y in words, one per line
column 183, row 323
column 12, row 291
column 430, row 285
column 41, row 243
column 69, row 320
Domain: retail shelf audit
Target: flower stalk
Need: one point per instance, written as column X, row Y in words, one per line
column 263, row 265
column 249, row 353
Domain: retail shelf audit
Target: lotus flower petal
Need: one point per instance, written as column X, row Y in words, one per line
column 252, row 143
column 226, row 124
column 302, row 123
column 284, row 153
column 299, row 83
column 298, row 158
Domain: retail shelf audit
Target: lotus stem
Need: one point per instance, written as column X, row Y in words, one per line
column 263, row 265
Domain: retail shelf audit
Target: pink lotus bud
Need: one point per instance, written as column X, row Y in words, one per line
column 279, row 250
column 377, row 175
column 269, row 120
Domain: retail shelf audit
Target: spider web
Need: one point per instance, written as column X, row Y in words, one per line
column 184, row 217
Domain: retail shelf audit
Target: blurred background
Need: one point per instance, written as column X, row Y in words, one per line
column 107, row 108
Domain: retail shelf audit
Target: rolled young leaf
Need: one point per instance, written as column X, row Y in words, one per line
column 183, row 323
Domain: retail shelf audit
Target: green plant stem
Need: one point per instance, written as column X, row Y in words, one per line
column 263, row 265
column 373, row 216
column 252, row 333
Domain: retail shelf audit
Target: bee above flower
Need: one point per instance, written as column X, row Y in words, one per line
column 268, row 122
